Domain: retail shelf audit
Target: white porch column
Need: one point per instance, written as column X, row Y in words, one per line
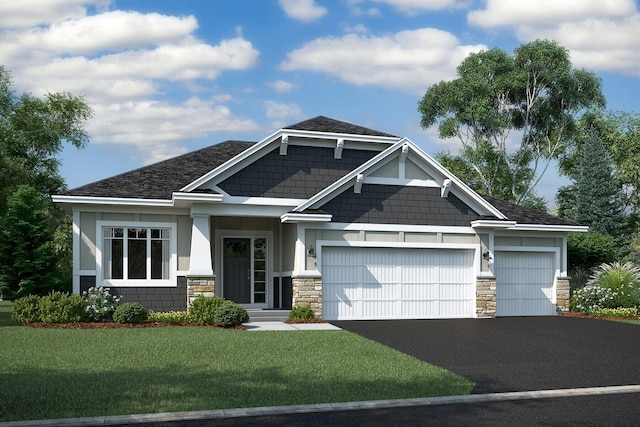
column 200, row 256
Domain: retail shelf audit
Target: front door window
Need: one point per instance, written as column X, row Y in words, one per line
column 245, row 270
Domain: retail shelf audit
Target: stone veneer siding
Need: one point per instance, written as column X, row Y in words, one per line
column 562, row 294
column 486, row 297
column 196, row 286
column 308, row 290
column 156, row 298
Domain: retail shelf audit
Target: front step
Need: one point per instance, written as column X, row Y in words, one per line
column 258, row 315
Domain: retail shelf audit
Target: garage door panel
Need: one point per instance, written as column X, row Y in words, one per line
column 524, row 283
column 397, row 283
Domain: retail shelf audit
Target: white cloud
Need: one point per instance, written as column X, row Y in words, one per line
column 122, row 62
column 158, row 128
column 280, row 86
column 358, row 28
column 108, row 31
column 280, row 112
column 408, row 60
column 29, row 13
column 412, row 7
column 547, row 12
column 302, row 10
column 600, row 34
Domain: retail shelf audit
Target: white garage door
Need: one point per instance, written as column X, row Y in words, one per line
column 524, row 283
column 394, row 283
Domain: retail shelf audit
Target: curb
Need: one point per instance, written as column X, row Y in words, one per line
column 323, row 407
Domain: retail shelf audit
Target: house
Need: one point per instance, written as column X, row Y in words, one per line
column 360, row 224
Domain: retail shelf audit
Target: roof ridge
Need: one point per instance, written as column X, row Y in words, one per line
column 328, row 124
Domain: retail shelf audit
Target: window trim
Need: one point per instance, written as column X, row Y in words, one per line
column 173, row 259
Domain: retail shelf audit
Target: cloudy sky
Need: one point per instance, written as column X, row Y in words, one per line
column 165, row 77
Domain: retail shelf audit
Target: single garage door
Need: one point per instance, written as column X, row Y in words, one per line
column 524, row 283
column 395, row 283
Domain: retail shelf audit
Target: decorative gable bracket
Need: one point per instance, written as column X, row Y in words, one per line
column 284, row 144
column 357, row 188
column 337, row 154
column 446, row 186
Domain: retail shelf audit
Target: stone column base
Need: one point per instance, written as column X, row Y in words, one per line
column 307, row 291
column 197, row 286
column 562, row 295
column 486, row 297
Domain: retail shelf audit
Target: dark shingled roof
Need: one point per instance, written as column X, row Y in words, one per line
column 160, row 180
column 524, row 215
column 325, row 124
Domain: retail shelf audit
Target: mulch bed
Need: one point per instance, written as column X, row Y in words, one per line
column 589, row 316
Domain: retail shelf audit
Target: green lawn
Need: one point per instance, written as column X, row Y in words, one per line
column 56, row 373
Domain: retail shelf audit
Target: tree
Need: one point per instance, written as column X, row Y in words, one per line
column 534, row 96
column 32, row 133
column 594, row 198
column 28, row 256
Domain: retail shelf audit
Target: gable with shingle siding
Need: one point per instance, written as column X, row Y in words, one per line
column 396, row 204
column 303, row 172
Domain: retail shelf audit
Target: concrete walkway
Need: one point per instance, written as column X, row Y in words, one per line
column 281, row 326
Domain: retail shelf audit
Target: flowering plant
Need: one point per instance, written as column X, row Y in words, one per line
column 100, row 304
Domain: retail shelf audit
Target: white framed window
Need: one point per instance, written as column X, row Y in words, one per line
column 135, row 254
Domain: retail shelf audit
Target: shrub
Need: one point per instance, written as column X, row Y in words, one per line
column 302, row 312
column 203, row 309
column 591, row 298
column 616, row 312
column 26, row 309
column 130, row 312
column 170, row 317
column 622, row 279
column 100, row 304
column 229, row 314
column 58, row 307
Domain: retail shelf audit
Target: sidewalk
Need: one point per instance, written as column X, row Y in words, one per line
column 281, row 326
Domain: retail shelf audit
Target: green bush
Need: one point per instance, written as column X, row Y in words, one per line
column 229, row 314
column 58, row 307
column 130, row 312
column 169, row 317
column 616, row 312
column 100, row 304
column 26, row 309
column 584, row 250
column 622, row 279
column 203, row 309
column 302, row 312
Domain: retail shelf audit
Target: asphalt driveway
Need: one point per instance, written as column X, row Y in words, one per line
column 517, row 353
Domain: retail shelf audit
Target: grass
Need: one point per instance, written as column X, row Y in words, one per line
column 633, row 321
column 5, row 314
column 58, row 373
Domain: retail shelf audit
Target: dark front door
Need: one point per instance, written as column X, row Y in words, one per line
column 237, row 270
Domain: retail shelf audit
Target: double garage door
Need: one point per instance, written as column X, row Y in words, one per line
column 394, row 283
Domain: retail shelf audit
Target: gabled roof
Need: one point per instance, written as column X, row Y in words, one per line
column 326, row 124
column 160, row 180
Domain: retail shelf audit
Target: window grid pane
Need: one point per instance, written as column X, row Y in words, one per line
column 143, row 247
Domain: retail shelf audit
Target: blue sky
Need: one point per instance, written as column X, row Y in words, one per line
column 165, row 77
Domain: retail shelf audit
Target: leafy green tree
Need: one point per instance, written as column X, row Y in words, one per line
column 32, row 133
column 534, row 95
column 594, row 198
column 29, row 259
